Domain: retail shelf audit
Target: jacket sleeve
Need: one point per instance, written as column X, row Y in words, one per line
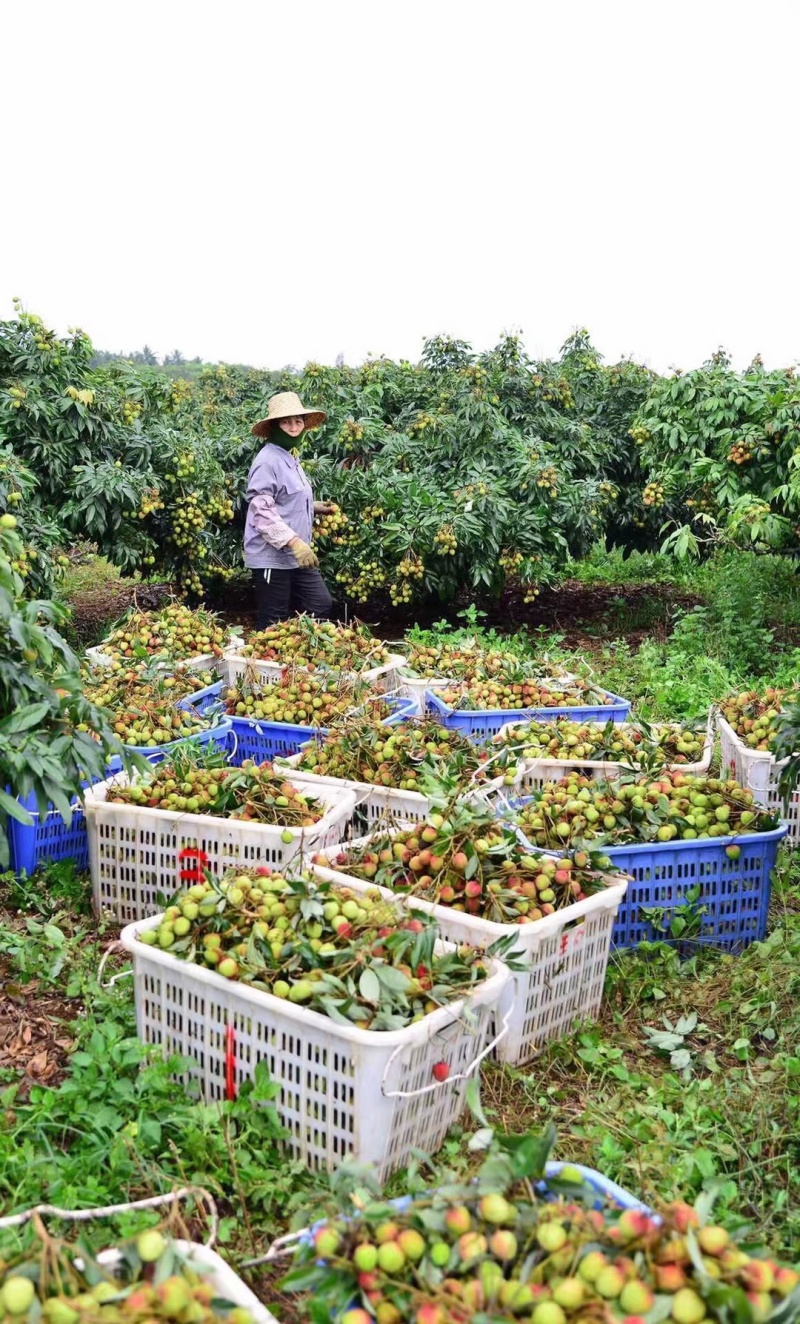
column 268, row 523
column 262, row 489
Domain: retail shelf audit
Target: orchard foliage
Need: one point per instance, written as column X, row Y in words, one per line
column 466, row 469
column 100, row 454
column 51, row 737
column 722, row 450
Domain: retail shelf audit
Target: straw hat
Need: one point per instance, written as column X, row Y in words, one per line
column 287, row 405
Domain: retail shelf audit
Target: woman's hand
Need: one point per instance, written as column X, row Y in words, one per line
column 306, row 558
column 324, row 507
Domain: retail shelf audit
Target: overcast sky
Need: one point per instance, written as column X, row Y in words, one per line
column 270, row 183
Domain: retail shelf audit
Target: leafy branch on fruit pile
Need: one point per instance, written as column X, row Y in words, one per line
column 401, row 756
column 143, row 706
column 307, row 642
column 674, row 806
column 756, row 717
column 636, row 744
column 466, row 661
column 472, row 863
column 302, row 697
column 519, row 687
column 149, row 1278
column 172, row 634
column 353, row 957
column 509, row 1245
column 198, row 781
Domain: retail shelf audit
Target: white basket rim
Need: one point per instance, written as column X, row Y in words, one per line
column 227, row 1283
column 393, row 661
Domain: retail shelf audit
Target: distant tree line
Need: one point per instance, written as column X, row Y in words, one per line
column 144, row 356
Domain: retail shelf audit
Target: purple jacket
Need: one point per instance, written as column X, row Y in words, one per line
column 281, row 506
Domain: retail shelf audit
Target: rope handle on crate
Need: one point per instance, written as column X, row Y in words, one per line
column 111, row 950
column 280, row 1246
column 450, row 1080
column 109, row 1210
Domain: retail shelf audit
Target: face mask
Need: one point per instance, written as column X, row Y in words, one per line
column 280, row 438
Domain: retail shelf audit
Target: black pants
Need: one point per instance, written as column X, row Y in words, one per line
column 282, row 593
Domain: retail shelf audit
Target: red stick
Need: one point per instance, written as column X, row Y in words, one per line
column 230, row 1063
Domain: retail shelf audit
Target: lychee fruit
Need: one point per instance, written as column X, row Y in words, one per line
column 551, row 1236
column 609, row 1282
column 669, row 1277
column 713, row 1240
column 548, row 1312
column 326, row 1242
column 390, row 1257
column 495, row 1209
column 150, row 1246
column 412, row 1244
column 471, row 1246
column 365, row 1257
column 636, row 1298
column 688, row 1307
column 570, row 1293
column 591, row 1265
column 503, row 1244
column 458, row 1219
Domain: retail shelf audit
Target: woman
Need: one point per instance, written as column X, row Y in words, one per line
column 280, row 517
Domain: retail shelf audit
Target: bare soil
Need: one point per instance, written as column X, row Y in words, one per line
column 35, row 1042
column 583, row 614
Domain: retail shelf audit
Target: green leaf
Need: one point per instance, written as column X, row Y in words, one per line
column 473, row 1096
column 24, row 718
column 369, row 986
column 14, row 809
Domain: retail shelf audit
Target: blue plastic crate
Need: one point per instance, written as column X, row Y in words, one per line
column 606, row 1189
column 735, row 893
column 257, row 739
column 481, row 726
column 50, row 838
column 47, row 838
column 202, row 700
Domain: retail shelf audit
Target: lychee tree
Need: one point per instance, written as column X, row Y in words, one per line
column 105, row 459
column 721, row 451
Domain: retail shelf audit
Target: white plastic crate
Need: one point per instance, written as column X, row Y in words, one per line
column 382, row 678
column 536, row 773
column 376, row 804
column 343, row 1091
column 207, row 1264
column 759, row 771
column 202, row 662
column 566, row 955
column 135, row 852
